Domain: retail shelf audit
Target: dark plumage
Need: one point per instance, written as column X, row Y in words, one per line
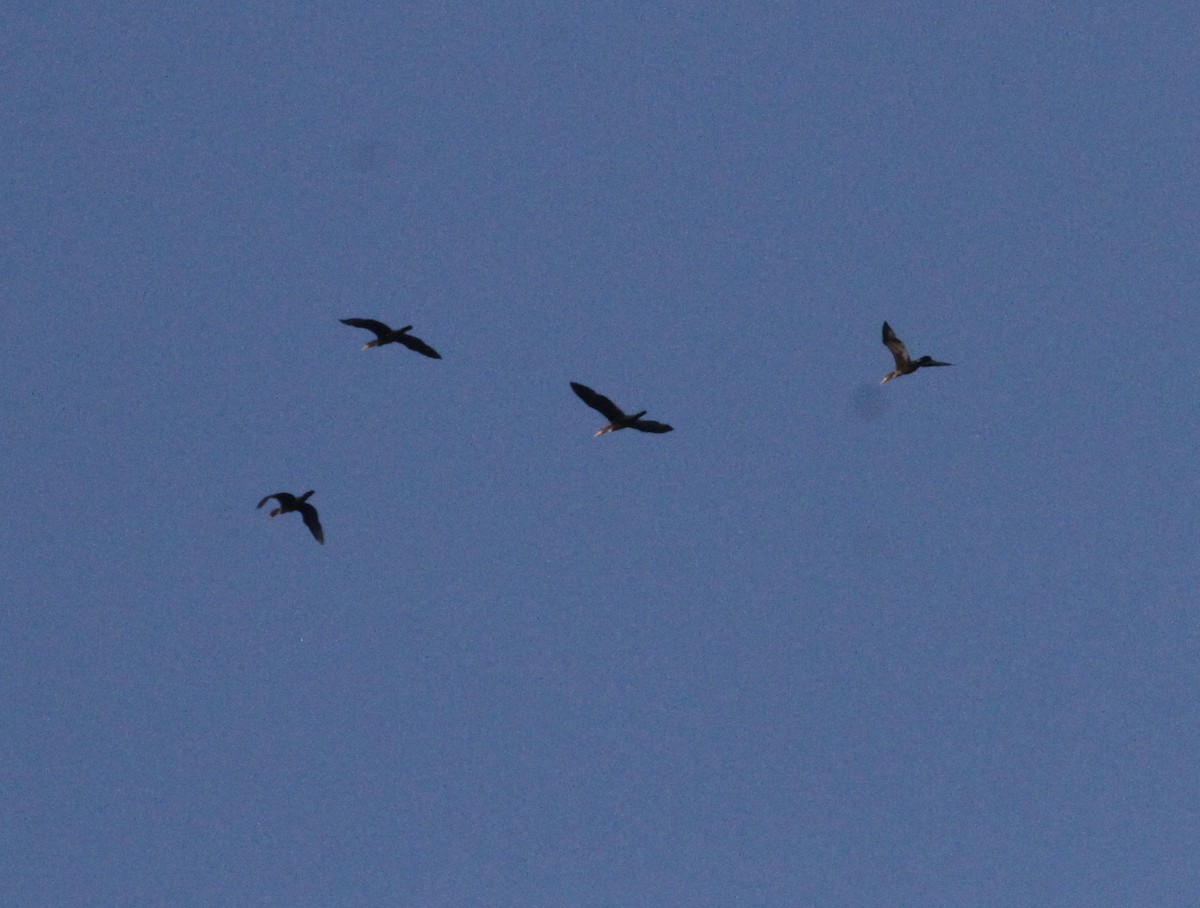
column 289, row 503
column 616, row 417
column 904, row 365
column 386, row 335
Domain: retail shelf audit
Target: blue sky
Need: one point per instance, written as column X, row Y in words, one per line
column 827, row 643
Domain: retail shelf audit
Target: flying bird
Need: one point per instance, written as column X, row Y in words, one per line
column 904, row 365
column 386, row 335
column 616, row 417
column 289, row 503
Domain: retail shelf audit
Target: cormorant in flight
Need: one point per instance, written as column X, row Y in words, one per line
column 904, row 365
column 617, row 418
column 289, row 503
column 386, row 335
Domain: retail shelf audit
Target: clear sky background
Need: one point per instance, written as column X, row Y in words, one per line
column 934, row 643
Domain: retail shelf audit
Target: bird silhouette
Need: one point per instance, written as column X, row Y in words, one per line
column 386, row 335
column 289, row 503
column 904, row 364
column 617, row 418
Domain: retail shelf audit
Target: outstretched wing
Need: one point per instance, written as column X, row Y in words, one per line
column 281, row 497
column 415, row 343
column 379, row 328
column 309, row 513
column 598, row 402
column 893, row 343
column 649, row 425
